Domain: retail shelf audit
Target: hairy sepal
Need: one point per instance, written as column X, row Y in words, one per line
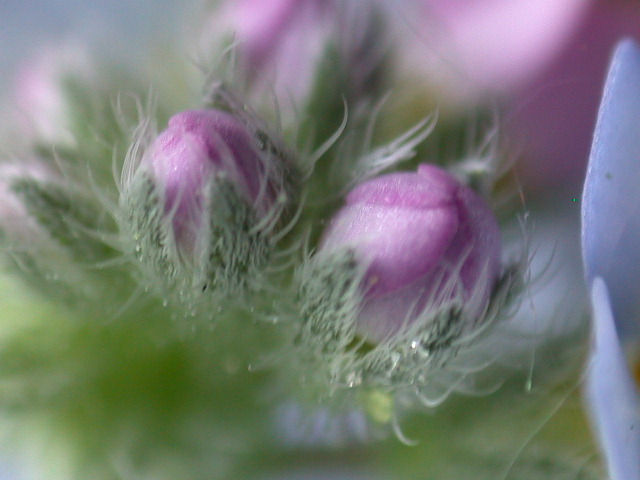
column 439, row 351
column 231, row 248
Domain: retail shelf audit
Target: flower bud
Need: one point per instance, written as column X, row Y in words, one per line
column 196, row 148
column 424, row 242
column 205, row 200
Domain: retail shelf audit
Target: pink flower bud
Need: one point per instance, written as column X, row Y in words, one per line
column 202, row 203
column 427, row 242
column 200, row 147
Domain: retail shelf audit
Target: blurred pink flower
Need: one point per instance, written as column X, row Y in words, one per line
column 468, row 48
column 40, row 92
column 553, row 117
column 281, row 46
column 279, row 41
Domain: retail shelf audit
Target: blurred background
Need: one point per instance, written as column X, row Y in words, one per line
column 546, row 75
column 120, row 27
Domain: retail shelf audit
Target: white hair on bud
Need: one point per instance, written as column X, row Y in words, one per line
column 400, row 149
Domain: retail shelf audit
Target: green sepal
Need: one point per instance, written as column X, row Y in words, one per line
column 226, row 260
column 235, row 250
column 70, row 219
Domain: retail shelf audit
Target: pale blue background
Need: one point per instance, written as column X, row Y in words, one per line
column 120, row 26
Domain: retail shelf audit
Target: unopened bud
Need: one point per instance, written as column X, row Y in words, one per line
column 424, row 244
column 204, row 203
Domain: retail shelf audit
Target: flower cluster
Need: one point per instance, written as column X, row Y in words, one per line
column 287, row 265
